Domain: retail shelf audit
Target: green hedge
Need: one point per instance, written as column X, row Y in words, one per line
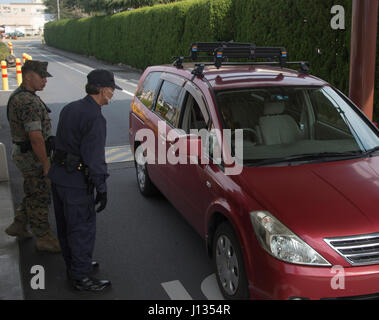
column 4, row 51
column 147, row 36
column 152, row 35
column 303, row 27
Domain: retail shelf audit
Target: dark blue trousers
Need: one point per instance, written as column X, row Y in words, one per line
column 76, row 226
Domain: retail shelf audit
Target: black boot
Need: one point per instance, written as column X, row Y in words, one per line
column 91, row 284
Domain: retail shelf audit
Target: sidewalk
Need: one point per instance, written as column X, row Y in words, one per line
column 10, row 279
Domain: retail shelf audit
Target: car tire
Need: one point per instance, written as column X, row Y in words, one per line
column 228, row 264
column 145, row 185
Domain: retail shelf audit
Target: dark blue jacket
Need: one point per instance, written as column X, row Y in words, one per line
column 82, row 132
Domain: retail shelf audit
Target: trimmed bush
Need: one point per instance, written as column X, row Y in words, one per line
column 153, row 35
column 4, row 51
column 147, row 36
column 303, row 28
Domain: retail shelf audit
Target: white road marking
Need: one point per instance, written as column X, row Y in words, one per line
column 120, row 157
column 210, row 289
column 118, row 154
column 128, row 93
column 111, row 150
column 176, row 291
column 63, row 64
column 129, row 82
column 89, row 68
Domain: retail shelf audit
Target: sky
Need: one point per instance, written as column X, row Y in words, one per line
column 14, row 1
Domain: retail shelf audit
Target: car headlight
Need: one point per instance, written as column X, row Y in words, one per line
column 281, row 242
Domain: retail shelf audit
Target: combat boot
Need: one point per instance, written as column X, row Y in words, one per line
column 91, row 284
column 48, row 243
column 18, row 229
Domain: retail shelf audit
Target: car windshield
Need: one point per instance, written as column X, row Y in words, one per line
column 287, row 124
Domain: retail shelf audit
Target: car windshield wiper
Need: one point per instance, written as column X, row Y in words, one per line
column 371, row 151
column 307, row 157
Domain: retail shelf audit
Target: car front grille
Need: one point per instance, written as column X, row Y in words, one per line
column 357, row 250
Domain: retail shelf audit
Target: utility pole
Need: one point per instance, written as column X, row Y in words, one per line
column 58, row 11
column 363, row 54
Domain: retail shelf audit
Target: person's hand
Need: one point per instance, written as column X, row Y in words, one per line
column 46, row 169
column 101, row 197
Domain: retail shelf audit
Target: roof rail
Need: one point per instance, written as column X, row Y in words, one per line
column 222, row 52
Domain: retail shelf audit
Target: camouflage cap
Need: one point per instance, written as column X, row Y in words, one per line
column 38, row 67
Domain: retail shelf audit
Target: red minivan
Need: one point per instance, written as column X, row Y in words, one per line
column 275, row 168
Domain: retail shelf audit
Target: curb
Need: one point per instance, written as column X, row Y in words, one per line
column 10, row 277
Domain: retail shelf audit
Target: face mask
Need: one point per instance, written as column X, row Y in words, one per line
column 109, row 100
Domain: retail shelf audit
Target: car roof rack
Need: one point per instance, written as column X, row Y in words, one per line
column 222, row 52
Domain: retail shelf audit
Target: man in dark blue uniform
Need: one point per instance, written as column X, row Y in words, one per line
column 78, row 169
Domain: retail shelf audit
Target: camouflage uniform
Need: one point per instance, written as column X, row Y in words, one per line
column 27, row 112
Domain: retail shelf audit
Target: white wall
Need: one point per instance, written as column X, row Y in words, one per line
column 30, row 16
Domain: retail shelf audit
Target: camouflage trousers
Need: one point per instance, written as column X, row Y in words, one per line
column 34, row 208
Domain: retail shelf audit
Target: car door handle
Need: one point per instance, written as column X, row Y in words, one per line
column 209, row 185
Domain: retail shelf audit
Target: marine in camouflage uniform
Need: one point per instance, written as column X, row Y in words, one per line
column 27, row 113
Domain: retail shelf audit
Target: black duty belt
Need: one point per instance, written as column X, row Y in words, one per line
column 73, row 163
column 70, row 161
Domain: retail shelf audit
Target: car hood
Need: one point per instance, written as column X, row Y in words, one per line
column 317, row 201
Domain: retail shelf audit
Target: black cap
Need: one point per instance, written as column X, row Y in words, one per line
column 38, row 67
column 102, row 78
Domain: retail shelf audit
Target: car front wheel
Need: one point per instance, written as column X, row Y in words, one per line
column 229, row 265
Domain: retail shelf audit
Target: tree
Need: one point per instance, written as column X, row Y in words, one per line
column 112, row 6
column 68, row 9
column 80, row 8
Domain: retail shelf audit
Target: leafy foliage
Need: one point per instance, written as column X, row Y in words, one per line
column 68, row 8
column 81, row 8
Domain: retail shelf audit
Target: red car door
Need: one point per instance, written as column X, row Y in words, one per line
column 187, row 181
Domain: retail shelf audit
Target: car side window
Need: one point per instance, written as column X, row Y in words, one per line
column 168, row 104
column 196, row 120
column 193, row 118
column 147, row 91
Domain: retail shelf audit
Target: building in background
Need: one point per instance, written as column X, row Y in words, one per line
column 28, row 18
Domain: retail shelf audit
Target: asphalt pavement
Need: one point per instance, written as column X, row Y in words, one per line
column 144, row 246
